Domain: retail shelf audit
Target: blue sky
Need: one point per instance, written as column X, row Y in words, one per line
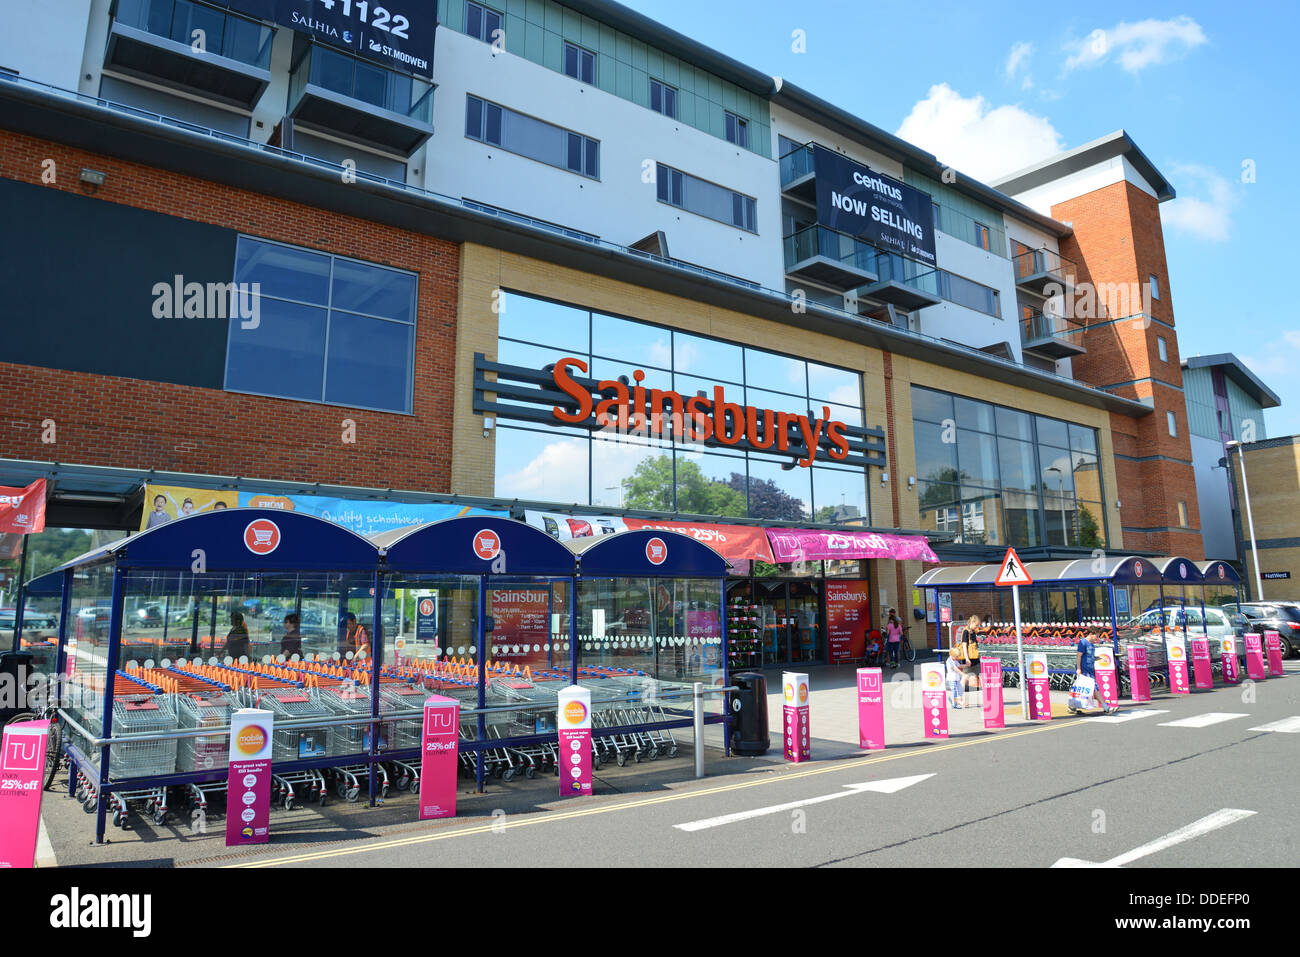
column 990, row 87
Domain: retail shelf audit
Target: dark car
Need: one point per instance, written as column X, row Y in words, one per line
column 1282, row 617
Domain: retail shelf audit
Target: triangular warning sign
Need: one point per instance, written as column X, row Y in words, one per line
column 1013, row 570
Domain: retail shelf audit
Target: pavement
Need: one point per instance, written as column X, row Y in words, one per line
column 1073, row 789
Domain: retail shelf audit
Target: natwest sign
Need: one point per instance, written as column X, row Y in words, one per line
column 662, row 413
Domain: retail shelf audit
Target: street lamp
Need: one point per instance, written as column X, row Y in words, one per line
column 1060, row 498
column 1254, row 549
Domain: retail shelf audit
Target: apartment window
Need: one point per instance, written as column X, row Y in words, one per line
column 968, row 293
column 1162, row 348
column 738, row 130
column 981, row 236
column 1182, row 514
column 663, row 99
column 482, row 22
column 330, row 330
column 1155, row 287
column 553, row 145
column 706, row 199
column 579, row 63
column 1173, row 423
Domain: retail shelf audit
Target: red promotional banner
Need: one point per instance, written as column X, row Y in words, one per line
column 848, row 619
column 22, row 510
column 729, row 541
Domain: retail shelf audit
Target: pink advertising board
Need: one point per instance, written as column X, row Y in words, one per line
column 807, row 545
column 1202, row 666
column 1103, row 669
column 439, row 757
column 794, row 717
column 1228, row 657
column 1139, row 678
column 991, row 692
column 871, row 709
column 248, row 788
column 934, row 701
column 573, row 719
column 1273, row 643
column 1255, row 657
column 22, row 770
column 1040, row 691
column 1176, row 654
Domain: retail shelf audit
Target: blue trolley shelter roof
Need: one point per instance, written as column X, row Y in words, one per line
column 647, row 553
column 475, row 545
column 1179, row 571
column 1116, row 570
column 242, row 539
column 1219, row 573
column 45, row 586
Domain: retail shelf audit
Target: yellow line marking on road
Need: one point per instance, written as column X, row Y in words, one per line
column 498, row 826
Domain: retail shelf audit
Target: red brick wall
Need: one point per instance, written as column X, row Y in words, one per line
column 1118, row 239
column 122, row 422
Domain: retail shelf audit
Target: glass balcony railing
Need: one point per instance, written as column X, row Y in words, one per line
column 1042, row 262
column 1051, row 333
column 201, row 27
column 957, row 224
column 362, row 80
column 796, row 164
column 812, row 241
column 891, row 267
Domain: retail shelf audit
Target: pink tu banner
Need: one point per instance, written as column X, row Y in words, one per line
column 991, row 692
column 573, row 718
column 248, row 787
column 1202, row 665
column 795, row 718
column 1273, row 642
column 439, row 757
column 1139, row 679
column 1228, row 656
column 1040, row 690
column 1103, row 669
column 871, row 709
column 1176, row 653
column 22, row 768
column 805, row 545
column 1255, row 657
column 934, row 701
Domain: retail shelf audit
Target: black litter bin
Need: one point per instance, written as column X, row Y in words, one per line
column 749, row 710
column 16, row 668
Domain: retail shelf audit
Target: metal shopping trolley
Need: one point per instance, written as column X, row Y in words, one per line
column 536, row 715
column 403, row 732
column 197, row 711
column 295, row 744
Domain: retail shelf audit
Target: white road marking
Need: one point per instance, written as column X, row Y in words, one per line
column 1205, row 825
column 1203, row 720
column 891, row 786
column 1286, row 726
column 1126, row 716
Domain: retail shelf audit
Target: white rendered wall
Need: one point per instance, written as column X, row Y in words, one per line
column 802, row 130
column 45, row 41
column 960, row 324
column 1114, row 170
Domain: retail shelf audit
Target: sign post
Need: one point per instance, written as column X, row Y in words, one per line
column 1176, row 650
column 991, row 686
column 1273, row 642
column 1228, row 655
column 1013, row 573
column 574, row 723
column 1202, row 666
column 1255, row 656
column 871, row 709
column 439, row 757
column 22, row 769
column 795, row 686
column 1103, row 669
column 248, row 789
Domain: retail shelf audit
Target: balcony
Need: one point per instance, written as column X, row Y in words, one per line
column 797, row 176
column 1051, row 336
column 337, row 93
column 901, row 282
column 821, row 255
column 1038, row 270
column 193, row 47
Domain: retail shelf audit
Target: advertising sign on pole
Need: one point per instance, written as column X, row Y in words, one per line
column 795, row 717
column 1014, row 574
column 248, row 789
column 439, row 757
column 1228, row 656
column 1039, row 691
column 1103, row 669
column 991, row 688
column 934, row 700
column 1176, row 650
column 1273, row 643
column 848, row 619
column 1255, row 656
column 871, row 709
column 1139, row 680
column 22, row 769
column 573, row 719
column 1202, row 666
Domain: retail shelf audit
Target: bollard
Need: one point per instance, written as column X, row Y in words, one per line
column 699, row 729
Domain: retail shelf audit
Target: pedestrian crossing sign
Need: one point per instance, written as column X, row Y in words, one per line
column 1013, row 570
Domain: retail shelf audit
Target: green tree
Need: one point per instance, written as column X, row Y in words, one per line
column 1089, row 530
column 650, row 486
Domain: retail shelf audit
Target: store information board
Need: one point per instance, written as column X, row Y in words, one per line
column 848, row 619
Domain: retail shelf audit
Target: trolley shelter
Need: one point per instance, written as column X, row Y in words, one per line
column 1123, row 600
column 37, row 633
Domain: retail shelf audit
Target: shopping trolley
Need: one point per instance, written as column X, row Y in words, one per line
column 404, row 732
column 294, row 744
column 535, row 716
column 197, row 711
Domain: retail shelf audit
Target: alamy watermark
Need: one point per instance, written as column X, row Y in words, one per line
column 179, row 299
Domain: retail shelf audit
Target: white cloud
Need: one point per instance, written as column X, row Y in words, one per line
column 1018, row 57
column 1136, row 45
column 981, row 140
column 1203, row 210
column 1281, row 356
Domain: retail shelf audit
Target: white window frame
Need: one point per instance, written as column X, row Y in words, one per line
column 1162, row 348
column 1172, row 420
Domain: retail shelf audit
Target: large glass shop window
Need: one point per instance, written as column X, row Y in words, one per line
column 549, row 462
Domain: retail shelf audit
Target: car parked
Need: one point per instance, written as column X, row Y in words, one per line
column 1282, row 617
column 32, row 619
